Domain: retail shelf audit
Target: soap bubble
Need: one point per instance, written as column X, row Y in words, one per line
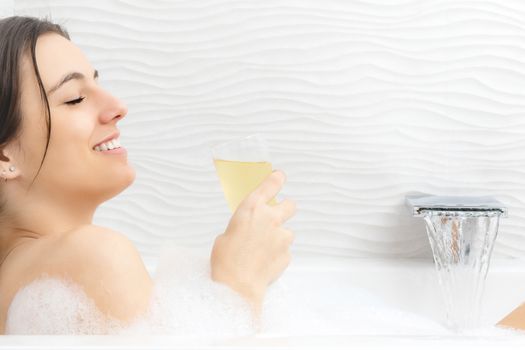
column 187, row 302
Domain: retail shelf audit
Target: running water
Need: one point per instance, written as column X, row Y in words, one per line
column 462, row 244
column 462, row 231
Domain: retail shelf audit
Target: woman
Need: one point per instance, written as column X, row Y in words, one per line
column 60, row 158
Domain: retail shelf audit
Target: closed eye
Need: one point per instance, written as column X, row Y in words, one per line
column 74, row 102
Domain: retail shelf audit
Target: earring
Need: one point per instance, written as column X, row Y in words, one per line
column 12, row 168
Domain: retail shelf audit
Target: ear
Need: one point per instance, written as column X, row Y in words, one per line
column 8, row 170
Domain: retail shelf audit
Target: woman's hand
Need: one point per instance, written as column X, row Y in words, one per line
column 254, row 250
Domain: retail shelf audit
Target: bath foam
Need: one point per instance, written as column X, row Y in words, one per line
column 186, row 302
column 51, row 305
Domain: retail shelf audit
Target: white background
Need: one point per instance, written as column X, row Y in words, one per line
column 362, row 102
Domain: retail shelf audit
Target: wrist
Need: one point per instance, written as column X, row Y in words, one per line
column 254, row 295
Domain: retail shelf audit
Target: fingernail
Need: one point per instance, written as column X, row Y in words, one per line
column 282, row 174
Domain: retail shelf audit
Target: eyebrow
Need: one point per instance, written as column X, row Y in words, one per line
column 68, row 77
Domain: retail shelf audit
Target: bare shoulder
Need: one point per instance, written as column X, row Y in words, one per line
column 103, row 262
column 109, row 268
column 98, row 246
column 94, row 250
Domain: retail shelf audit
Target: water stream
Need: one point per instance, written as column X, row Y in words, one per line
column 462, row 243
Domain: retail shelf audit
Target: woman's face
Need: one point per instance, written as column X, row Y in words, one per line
column 83, row 115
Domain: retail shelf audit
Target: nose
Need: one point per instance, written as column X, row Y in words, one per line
column 112, row 108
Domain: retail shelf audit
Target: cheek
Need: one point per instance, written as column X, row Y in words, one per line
column 70, row 141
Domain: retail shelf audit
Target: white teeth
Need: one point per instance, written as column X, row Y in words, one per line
column 109, row 145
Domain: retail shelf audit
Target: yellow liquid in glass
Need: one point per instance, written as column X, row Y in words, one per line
column 239, row 179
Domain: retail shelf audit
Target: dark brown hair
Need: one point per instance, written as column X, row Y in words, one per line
column 18, row 36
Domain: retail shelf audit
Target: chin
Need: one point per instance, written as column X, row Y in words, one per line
column 120, row 182
column 127, row 178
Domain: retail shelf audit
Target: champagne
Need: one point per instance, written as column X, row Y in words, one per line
column 239, row 179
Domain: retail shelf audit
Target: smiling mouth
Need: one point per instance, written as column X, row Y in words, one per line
column 108, row 145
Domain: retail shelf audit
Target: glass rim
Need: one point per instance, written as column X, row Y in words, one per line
column 226, row 143
column 260, row 147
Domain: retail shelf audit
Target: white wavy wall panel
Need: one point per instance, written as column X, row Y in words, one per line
column 362, row 102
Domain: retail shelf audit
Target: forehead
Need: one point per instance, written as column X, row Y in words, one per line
column 57, row 56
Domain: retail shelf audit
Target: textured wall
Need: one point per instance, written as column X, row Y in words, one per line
column 6, row 8
column 362, row 102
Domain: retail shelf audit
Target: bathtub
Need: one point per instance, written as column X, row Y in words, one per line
column 407, row 284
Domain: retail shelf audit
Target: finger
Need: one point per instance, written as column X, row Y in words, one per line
column 269, row 188
column 287, row 209
column 287, row 236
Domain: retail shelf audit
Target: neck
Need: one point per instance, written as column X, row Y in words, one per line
column 35, row 218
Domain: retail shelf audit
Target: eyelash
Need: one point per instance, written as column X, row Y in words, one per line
column 74, row 102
